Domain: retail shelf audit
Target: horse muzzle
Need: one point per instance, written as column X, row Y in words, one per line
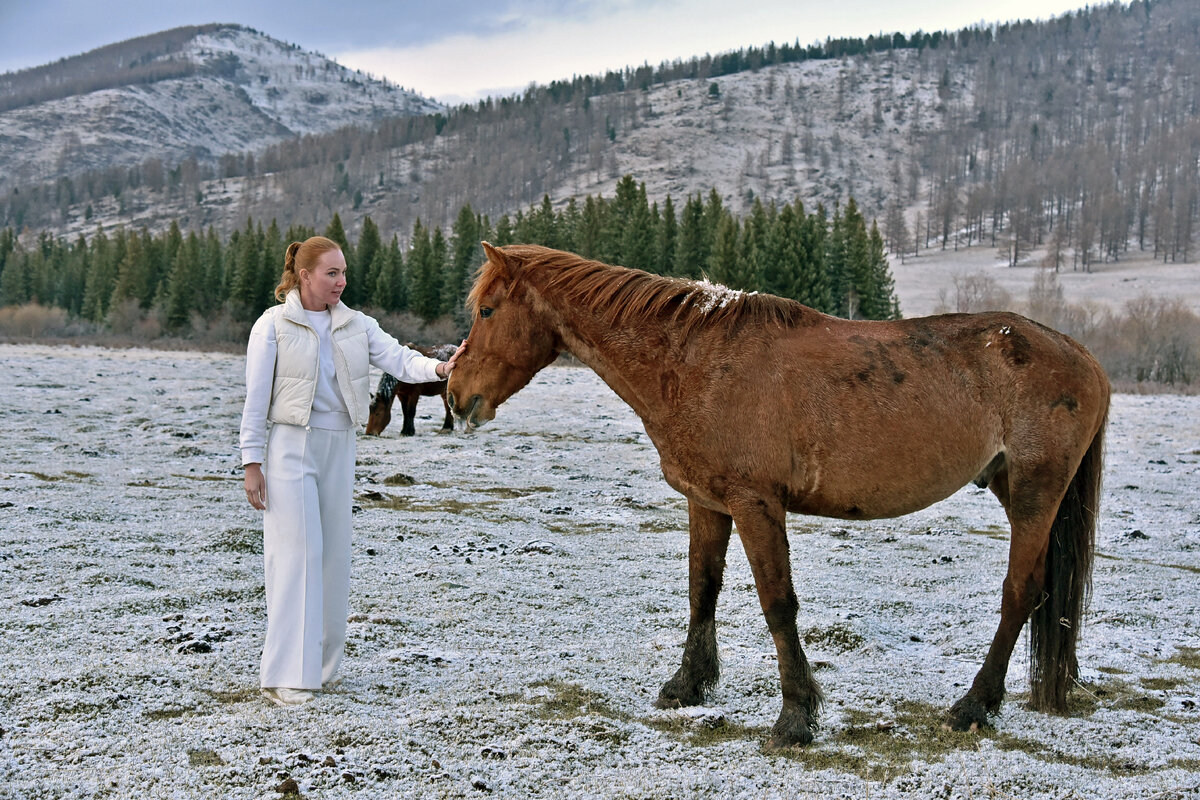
column 474, row 414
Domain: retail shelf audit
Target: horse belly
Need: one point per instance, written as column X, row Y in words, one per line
column 877, row 483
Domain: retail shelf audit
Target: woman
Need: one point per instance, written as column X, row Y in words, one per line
column 307, row 366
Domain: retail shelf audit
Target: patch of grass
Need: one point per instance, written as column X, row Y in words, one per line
column 1186, row 656
column 1160, row 684
column 706, row 734
column 204, row 758
column 80, row 708
column 992, row 532
column 509, row 493
column 41, row 476
column 663, row 526
column 1116, row 694
column 166, row 713
column 835, row 637
column 243, row 594
column 234, row 696
column 238, row 540
column 450, row 505
column 102, row 579
column 205, row 477
column 570, row 700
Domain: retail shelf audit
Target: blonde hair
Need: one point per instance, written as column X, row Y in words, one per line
column 301, row 256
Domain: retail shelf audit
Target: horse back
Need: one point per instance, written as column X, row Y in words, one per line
column 859, row 420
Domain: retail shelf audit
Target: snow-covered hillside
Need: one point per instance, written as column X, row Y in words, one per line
column 250, row 91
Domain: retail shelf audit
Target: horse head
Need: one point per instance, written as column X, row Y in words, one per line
column 510, row 339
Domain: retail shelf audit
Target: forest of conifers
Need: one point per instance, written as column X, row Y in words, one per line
column 185, row 280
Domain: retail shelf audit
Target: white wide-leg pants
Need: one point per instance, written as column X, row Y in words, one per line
column 306, row 554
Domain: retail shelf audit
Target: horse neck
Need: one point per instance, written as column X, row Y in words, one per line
column 631, row 358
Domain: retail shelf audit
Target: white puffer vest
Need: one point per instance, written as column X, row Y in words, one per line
column 297, row 356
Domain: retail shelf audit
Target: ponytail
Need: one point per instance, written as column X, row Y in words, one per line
column 301, row 257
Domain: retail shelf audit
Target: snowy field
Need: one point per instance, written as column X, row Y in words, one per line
column 520, row 595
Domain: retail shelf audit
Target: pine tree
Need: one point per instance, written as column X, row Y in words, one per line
column 389, row 292
column 504, row 231
column 179, row 300
column 212, row 275
column 813, row 284
column 568, row 226
column 753, row 251
column 369, row 255
column 465, row 256
column 14, row 281
column 337, row 233
column 633, row 232
column 781, row 263
column 133, row 272
column 590, row 231
column 668, row 238
column 723, row 260
column 270, row 266
column 424, row 275
column 247, row 258
column 692, row 251
column 97, row 288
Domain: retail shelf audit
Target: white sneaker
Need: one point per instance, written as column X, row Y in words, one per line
column 287, row 697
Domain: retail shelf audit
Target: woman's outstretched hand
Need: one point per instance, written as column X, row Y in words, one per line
column 446, row 367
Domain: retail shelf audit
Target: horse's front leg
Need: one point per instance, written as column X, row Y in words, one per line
column 448, row 423
column 408, row 406
column 707, row 543
column 760, row 525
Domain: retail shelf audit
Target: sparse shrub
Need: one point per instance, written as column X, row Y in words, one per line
column 974, row 292
column 1154, row 340
column 408, row 327
column 33, row 321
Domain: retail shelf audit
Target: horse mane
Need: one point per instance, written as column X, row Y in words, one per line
column 387, row 386
column 621, row 295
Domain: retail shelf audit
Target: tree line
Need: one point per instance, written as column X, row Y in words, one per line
column 835, row 264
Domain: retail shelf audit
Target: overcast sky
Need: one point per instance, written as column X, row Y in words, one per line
column 456, row 50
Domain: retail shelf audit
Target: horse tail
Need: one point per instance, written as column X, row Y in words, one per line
column 1055, row 623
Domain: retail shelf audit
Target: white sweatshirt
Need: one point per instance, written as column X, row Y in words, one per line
column 316, row 364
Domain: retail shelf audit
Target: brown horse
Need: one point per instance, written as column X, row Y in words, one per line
column 391, row 388
column 759, row 406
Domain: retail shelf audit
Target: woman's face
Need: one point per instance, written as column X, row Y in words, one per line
column 322, row 287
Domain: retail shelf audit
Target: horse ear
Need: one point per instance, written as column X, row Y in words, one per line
column 497, row 257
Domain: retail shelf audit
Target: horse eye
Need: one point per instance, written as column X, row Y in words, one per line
column 485, row 312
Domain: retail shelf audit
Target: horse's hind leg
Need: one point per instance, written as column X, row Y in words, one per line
column 708, row 541
column 1030, row 517
column 764, row 538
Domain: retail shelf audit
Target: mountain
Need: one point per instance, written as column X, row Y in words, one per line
column 195, row 92
column 1075, row 137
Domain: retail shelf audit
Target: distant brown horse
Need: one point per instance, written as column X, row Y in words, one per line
column 391, row 389
column 759, row 406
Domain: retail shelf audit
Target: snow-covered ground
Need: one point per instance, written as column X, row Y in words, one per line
column 519, row 596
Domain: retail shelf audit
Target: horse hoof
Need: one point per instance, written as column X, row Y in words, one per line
column 965, row 715
column 787, row 741
column 792, row 729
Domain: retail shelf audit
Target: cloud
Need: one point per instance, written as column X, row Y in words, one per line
column 541, row 42
column 540, row 50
